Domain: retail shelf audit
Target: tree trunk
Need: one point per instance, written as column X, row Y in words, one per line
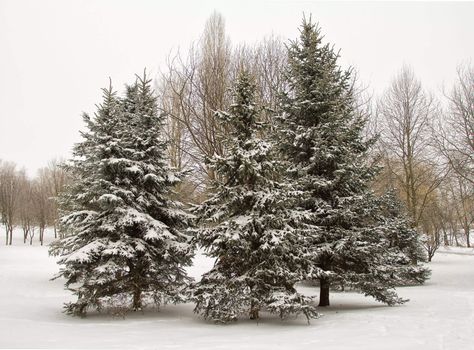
column 445, row 237
column 431, row 253
column 324, row 292
column 41, row 234
column 254, row 311
column 32, row 234
column 468, row 241
column 11, row 235
column 137, row 300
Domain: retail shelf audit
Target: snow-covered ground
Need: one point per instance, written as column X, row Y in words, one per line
column 440, row 315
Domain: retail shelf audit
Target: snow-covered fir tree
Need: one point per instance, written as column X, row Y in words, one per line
column 404, row 241
column 321, row 137
column 246, row 228
column 125, row 242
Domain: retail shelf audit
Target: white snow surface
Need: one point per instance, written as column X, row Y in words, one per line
column 440, row 314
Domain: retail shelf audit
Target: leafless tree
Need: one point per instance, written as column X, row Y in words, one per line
column 405, row 113
column 431, row 224
column 462, row 195
column 455, row 139
column 448, row 213
column 25, row 208
column 55, row 180
column 197, row 84
column 42, row 201
column 193, row 89
column 10, row 188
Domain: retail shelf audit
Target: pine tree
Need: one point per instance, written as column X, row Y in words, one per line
column 404, row 241
column 246, row 228
column 124, row 241
column 321, row 138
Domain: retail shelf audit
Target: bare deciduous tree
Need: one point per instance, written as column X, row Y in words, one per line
column 405, row 113
column 198, row 84
column 193, row 89
column 10, row 188
column 25, row 209
column 462, row 195
column 56, row 179
column 43, row 202
column 455, row 139
column 431, row 224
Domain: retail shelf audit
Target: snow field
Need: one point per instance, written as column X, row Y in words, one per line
column 440, row 315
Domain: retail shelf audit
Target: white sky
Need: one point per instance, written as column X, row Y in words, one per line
column 55, row 56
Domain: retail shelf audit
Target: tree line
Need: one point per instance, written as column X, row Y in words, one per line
column 30, row 203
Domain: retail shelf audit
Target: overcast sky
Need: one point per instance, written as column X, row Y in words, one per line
column 56, row 55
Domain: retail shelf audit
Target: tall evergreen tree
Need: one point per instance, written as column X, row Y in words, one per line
column 124, row 237
column 246, row 227
column 321, row 138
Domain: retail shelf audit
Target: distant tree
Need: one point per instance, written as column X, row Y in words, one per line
column 455, row 143
column 26, row 210
column 56, row 179
column 10, row 189
column 321, row 137
column 462, row 201
column 449, row 218
column 42, row 203
column 456, row 137
column 124, row 240
column 405, row 118
column 431, row 225
column 246, row 227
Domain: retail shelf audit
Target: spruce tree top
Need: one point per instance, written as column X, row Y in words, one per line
column 321, row 133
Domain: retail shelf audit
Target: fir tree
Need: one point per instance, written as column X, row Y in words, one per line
column 246, row 228
column 403, row 240
column 124, row 237
column 321, row 138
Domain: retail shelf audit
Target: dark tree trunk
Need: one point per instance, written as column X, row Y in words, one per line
column 324, row 292
column 137, row 300
column 41, row 234
column 254, row 312
column 431, row 253
column 445, row 236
